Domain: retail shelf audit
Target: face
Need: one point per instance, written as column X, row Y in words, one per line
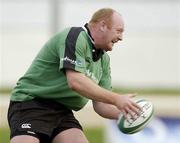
column 111, row 34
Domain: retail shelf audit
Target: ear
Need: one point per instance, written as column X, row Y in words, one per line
column 103, row 26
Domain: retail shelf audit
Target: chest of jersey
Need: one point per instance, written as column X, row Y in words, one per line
column 93, row 69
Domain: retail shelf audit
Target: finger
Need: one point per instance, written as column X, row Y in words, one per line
column 137, row 106
column 130, row 112
column 135, row 110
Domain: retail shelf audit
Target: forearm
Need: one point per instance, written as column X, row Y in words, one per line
column 86, row 87
column 106, row 110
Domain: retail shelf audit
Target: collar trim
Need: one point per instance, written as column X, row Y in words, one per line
column 88, row 32
column 96, row 53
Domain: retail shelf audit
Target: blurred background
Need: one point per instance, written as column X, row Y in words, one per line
column 146, row 62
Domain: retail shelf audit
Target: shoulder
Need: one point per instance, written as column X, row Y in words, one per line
column 68, row 35
column 75, row 34
column 69, row 31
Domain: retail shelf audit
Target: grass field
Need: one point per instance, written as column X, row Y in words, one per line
column 4, row 135
column 149, row 90
column 93, row 135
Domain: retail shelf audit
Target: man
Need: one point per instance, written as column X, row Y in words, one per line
column 71, row 68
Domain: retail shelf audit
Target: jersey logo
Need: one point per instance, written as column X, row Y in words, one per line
column 71, row 61
column 91, row 75
column 25, row 126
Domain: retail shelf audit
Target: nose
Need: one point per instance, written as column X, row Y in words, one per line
column 120, row 38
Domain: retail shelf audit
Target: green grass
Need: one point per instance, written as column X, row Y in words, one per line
column 93, row 135
column 148, row 90
column 4, row 135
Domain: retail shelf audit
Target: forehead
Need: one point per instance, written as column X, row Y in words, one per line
column 117, row 21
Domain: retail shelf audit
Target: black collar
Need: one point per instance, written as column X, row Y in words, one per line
column 97, row 53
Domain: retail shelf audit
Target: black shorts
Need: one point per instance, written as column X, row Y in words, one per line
column 43, row 119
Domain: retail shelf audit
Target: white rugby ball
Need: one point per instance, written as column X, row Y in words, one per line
column 132, row 125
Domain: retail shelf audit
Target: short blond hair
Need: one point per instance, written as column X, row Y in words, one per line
column 102, row 14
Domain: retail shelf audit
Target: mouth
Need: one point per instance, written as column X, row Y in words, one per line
column 114, row 41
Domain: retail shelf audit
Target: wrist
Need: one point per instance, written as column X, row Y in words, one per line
column 115, row 99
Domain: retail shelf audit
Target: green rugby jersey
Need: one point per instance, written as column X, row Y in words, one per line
column 46, row 78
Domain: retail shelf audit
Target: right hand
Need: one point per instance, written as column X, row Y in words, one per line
column 127, row 106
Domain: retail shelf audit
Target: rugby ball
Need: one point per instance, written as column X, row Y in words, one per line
column 131, row 125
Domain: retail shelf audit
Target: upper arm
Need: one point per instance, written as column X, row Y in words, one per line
column 73, row 77
column 72, row 53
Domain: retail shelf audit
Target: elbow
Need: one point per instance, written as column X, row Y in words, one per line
column 97, row 108
column 73, row 84
column 73, row 80
column 100, row 113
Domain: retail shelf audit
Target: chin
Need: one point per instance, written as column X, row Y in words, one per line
column 109, row 49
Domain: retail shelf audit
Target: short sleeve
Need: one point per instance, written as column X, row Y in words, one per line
column 105, row 80
column 74, row 52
